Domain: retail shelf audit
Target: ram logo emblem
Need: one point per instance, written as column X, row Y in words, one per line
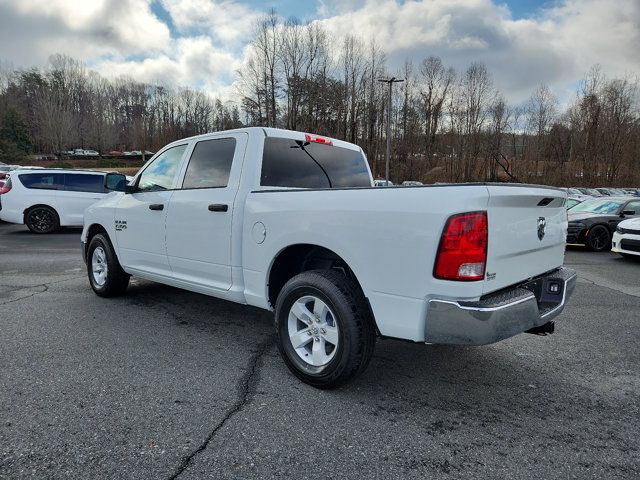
column 542, row 225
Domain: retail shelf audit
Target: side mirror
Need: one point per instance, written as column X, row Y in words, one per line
column 115, row 182
column 627, row 212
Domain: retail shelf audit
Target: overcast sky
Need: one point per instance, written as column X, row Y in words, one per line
column 200, row 43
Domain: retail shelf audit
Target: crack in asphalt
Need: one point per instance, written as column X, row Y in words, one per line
column 246, row 390
column 43, row 286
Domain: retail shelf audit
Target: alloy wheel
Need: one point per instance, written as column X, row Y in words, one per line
column 313, row 330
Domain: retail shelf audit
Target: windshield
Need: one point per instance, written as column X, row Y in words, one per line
column 603, row 206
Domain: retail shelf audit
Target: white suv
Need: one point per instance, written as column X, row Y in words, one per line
column 47, row 199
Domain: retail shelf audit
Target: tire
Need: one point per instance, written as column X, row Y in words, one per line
column 335, row 338
column 599, row 239
column 42, row 219
column 106, row 276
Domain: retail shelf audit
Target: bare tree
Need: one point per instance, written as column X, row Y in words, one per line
column 541, row 111
column 435, row 85
column 267, row 44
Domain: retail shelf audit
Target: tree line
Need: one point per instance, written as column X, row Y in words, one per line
column 66, row 106
column 446, row 125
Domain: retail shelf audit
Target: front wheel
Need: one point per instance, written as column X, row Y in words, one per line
column 106, row 276
column 599, row 239
column 325, row 332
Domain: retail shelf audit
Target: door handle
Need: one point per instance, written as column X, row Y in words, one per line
column 218, row 207
column 156, row 206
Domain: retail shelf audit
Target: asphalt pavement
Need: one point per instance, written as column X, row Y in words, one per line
column 163, row 383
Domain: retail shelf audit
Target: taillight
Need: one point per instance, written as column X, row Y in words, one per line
column 462, row 254
column 6, row 187
column 317, row 139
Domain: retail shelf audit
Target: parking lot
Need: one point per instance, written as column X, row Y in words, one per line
column 162, row 383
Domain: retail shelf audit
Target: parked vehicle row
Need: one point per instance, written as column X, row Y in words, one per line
column 593, row 222
column 80, row 152
column 603, row 191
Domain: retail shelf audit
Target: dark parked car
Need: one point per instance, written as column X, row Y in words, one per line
column 593, row 222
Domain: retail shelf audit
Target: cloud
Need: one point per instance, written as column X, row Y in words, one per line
column 31, row 30
column 192, row 61
column 228, row 22
column 555, row 47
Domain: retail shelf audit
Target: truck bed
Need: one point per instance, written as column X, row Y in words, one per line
column 389, row 238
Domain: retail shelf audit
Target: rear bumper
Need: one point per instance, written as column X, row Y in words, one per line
column 500, row 315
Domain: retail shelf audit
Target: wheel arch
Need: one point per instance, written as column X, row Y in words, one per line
column 93, row 230
column 297, row 258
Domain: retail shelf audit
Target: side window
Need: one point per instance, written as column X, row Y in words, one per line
column 634, row 205
column 210, row 164
column 77, row 182
column 44, row 181
column 159, row 175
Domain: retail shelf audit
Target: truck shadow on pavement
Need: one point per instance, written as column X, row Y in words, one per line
column 394, row 366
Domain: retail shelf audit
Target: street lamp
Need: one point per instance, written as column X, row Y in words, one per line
column 390, row 81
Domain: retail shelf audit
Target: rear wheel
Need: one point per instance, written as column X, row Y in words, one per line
column 106, row 276
column 325, row 332
column 599, row 239
column 42, row 219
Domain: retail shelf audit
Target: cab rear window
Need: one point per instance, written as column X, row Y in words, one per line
column 296, row 163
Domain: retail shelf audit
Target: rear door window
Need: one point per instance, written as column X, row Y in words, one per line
column 77, row 182
column 210, row 164
column 44, row 181
column 295, row 163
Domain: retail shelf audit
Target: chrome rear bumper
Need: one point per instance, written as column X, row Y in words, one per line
column 500, row 315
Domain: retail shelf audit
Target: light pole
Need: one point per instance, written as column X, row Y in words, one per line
column 390, row 81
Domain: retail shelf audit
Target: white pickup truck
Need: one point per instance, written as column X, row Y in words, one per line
column 291, row 222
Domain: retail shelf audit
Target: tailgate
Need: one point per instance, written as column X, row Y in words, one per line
column 527, row 233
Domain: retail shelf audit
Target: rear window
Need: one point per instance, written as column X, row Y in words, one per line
column 76, row 182
column 295, row 163
column 46, row 181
